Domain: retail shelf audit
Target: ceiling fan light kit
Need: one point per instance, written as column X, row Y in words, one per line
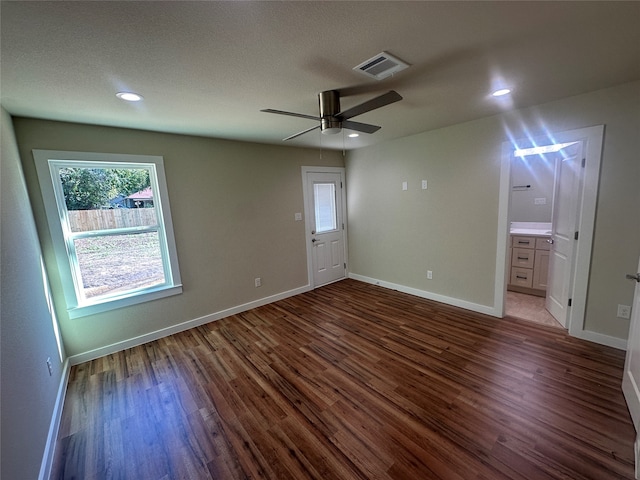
column 329, row 105
column 332, row 120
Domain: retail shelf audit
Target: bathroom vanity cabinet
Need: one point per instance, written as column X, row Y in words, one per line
column 529, row 264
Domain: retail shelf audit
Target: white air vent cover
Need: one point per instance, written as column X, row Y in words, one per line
column 381, row 66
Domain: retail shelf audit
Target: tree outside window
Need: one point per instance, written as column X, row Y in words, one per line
column 110, row 225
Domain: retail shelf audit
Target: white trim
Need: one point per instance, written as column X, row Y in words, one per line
column 308, row 214
column 631, row 391
column 54, row 426
column 589, row 335
column 132, row 299
column 196, row 322
column 602, row 339
column 636, row 449
column 504, row 203
column 592, row 150
column 456, row 302
column 47, row 162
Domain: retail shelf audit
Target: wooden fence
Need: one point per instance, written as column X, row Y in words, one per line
column 86, row 220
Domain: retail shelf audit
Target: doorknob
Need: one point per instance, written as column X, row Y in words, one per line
column 314, row 241
column 550, row 241
column 635, row 277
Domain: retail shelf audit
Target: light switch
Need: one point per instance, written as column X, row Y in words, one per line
column 404, row 186
column 298, row 217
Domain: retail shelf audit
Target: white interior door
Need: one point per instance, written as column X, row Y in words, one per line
column 325, row 202
column 563, row 237
column 631, row 379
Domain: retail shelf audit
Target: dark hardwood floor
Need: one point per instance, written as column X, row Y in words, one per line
column 351, row 381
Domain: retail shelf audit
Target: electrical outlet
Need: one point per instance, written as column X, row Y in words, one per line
column 424, row 184
column 258, row 282
column 624, row 311
column 429, row 274
column 50, row 366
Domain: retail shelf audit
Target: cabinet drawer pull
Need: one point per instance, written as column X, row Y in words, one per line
column 521, row 277
column 523, row 258
column 523, row 242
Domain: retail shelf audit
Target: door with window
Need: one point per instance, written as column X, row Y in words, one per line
column 325, row 225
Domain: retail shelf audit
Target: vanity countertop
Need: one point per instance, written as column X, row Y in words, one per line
column 531, row 232
column 533, row 229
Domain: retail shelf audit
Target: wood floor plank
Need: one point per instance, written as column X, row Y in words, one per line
column 350, row 381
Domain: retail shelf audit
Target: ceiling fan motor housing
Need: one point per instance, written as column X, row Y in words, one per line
column 329, row 103
column 333, row 120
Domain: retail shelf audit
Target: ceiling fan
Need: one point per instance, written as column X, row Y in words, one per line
column 332, row 120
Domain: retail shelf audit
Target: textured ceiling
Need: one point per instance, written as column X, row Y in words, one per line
column 208, row 68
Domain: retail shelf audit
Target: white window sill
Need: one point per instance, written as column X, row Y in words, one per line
column 115, row 303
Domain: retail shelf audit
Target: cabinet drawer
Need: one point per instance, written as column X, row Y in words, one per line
column 542, row 244
column 523, row 242
column 522, row 277
column 522, row 257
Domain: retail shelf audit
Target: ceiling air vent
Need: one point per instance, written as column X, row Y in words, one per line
column 381, row 66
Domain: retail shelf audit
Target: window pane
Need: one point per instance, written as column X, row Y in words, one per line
column 107, row 198
column 115, row 264
column 325, row 205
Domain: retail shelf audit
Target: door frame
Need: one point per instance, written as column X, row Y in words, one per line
column 308, row 215
column 592, row 138
column 631, row 375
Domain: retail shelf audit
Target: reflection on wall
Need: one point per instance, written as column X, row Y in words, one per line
column 532, row 186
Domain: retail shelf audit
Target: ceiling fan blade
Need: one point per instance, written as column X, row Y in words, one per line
column 377, row 102
column 291, row 114
column 300, row 133
column 360, row 127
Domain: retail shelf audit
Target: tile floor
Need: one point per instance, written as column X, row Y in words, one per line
column 529, row 307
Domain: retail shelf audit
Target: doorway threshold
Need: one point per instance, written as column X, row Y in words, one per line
column 529, row 307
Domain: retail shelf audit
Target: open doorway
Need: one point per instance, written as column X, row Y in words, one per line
column 553, row 237
column 543, row 214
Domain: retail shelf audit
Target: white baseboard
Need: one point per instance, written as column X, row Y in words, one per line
column 47, row 460
column 602, row 339
column 456, row 302
column 54, row 427
column 615, row 342
column 196, row 322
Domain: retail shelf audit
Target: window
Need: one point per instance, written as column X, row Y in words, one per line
column 111, row 228
column 325, row 207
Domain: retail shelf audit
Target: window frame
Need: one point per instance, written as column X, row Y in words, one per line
column 48, row 165
column 332, row 205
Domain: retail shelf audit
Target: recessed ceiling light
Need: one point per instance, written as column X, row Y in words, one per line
column 501, row 92
column 129, row 96
column 354, row 135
